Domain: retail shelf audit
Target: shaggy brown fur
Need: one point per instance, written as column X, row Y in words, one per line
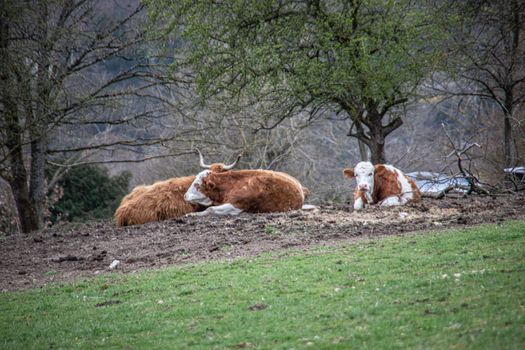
column 160, row 201
column 254, row 191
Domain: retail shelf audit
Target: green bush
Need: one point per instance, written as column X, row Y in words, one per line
column 89, row 193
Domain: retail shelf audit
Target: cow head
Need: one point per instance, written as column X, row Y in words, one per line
column 202, row 184
column 364, row 175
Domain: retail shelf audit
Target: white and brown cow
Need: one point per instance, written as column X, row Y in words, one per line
column 381, row 184
column 160, row 201
column 252, row 191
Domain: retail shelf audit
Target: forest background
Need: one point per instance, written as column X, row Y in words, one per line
column 97, row 97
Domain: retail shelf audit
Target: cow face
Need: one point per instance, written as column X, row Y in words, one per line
column 364, row 176
column 194, row 195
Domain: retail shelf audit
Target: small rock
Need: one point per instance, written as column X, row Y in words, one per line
column 258, row 306
column 461, row 220
column 109, row 302
column 100, row 256
column 310, row 207
column 114, row 264
column 403, row 215
column 67, row 257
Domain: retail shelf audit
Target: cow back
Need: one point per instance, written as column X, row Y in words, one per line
column 386, row 183
column 159, row 201
column 256, row 191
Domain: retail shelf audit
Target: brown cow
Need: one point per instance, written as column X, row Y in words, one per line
column 382, row 184
column 253, row 191
column 160, row 201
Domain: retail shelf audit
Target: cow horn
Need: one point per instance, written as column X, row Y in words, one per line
column 228, row 167
column 205, row 166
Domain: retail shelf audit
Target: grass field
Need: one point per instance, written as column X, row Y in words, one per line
column 461, row 289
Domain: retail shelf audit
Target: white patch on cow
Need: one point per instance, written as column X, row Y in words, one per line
column 224, row 209
column 358, row 204
column 193, row 195
column 406, row 188
column 364, row 177
column 390, row 201
column 368, row 196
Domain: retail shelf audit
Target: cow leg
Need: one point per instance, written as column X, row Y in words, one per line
column 391, row 201
column 224, row 209
column 406, row 197
column 359, row 204
column 362, row 199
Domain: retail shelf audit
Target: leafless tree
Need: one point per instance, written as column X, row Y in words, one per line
column 461, row 154
column 75, row 79
column 490, row 47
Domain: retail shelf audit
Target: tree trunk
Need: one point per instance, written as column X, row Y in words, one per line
column 508, row 149
column 18, row 181
column 507, row 137
column 37, row 179
column 377, row 149
column 39, row 117
column 377, row 134
column 508, row 88
column 17, row 173
column 374, row 137
column 363, row 152
column 27, row 215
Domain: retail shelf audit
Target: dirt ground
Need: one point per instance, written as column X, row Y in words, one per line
column 68, row 252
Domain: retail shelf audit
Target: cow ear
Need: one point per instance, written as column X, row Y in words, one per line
column 349, row 173
column 379, row 169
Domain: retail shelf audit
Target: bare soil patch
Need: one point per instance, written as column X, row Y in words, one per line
column 68, row 252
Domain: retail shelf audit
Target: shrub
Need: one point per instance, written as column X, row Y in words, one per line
column 89, row 193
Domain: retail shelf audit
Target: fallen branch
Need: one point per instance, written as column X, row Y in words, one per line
column 440, row 194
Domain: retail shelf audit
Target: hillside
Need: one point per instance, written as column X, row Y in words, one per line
column 69, row 252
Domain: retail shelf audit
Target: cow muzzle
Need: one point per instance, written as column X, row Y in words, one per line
column 363, row 187
column 195, row 197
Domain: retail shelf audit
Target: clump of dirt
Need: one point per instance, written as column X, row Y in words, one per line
column 69, row 252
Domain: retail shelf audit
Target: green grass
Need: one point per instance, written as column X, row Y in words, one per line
column 462, row 289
